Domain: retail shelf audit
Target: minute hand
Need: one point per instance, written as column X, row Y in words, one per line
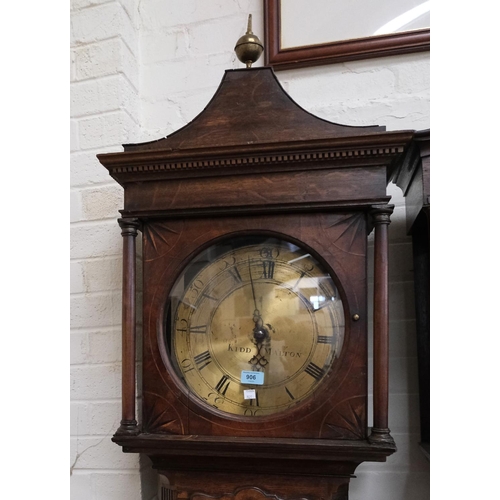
column 259, row 332
column 256, row 312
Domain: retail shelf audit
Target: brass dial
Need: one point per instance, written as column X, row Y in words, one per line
column 254, row 326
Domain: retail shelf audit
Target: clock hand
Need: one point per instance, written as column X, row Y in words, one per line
column 259, row 332
column 256, row 311
column 259, row 360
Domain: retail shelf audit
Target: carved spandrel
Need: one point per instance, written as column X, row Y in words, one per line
column 160, row 416
column 160, row 238
column 346, row 231
column 347, row 420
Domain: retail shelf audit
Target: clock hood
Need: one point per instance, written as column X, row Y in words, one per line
column 252, row 126
column 250, row 107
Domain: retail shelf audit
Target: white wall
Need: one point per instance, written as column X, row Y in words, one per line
column 104, row 114
column 141, row 69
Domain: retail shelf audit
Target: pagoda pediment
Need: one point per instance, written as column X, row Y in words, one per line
column 251, row 107
column 251, row 124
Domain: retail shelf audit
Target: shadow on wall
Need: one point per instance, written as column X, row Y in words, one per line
column 149, row 479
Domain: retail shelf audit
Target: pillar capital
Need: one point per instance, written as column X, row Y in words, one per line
column 381, row 214
column 129, row 226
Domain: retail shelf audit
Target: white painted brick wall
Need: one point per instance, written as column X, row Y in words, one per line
column 139, row 71
column 104, row 114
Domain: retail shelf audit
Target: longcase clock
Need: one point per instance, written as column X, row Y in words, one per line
column 254, row 220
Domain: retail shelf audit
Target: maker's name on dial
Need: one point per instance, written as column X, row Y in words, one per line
column 267, row 350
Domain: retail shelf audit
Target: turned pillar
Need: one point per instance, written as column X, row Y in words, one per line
column 128, row 424
column 381, row 217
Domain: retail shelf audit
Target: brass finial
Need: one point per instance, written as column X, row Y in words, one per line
column 249, row 48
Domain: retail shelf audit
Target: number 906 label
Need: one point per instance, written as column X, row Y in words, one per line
column 253, row 378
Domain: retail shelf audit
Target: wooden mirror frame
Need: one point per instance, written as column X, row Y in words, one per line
column 333, row 52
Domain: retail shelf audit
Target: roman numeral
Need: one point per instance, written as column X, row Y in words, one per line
column 315, row 371
column 220, row 387
column 289, row 393
column 203, row 359
column 235, row 274
column 198, row 329
column 268, row 268
column 325, row 339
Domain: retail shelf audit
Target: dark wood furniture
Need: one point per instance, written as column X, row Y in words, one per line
column 254, row 162
column 413, row 177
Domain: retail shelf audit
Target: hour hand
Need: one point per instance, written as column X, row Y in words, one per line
column 260, row 331
column 260, row 337
column 259, row 361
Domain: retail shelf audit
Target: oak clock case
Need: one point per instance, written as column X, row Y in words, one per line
column 253, row 325
column 254, row 221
